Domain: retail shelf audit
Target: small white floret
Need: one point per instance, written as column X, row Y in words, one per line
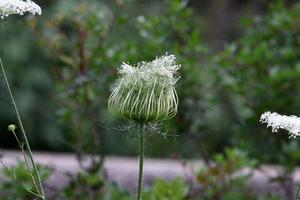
column 126, row 69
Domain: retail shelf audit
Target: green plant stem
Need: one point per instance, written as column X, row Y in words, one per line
column 297, row 193
column 21, row 145
column 141, row 168
column 36, row 173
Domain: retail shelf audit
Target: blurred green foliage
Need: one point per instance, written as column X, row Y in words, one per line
column 88, row 41
column 88, row 187
column 165, row 190
column 262, row 69
column 32, row 86
column 63, row 63
column 223, row 179
column 16, row 183
column 220, row 180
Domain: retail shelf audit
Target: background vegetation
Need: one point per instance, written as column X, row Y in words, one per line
column 239, row 59
column 67, row 58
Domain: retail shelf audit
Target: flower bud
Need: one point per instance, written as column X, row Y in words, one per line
column 12, row 127
column 146, row 92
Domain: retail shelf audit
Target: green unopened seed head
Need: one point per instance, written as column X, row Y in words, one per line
column 11, row 127
column 146, row 92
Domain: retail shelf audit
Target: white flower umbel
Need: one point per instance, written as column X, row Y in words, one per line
column 146, row 92
column 8, row 7
column 277, row 121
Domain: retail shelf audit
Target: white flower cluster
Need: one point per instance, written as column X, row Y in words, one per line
column 164, row 66
column 8, row 7
column 146, row 92
column 277, row 121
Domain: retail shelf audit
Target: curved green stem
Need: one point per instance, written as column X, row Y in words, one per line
column 141, row 168
column 40, row 189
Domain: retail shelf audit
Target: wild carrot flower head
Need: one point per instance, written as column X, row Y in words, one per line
column 277, row 121
column 8, row 7
column 146, row 92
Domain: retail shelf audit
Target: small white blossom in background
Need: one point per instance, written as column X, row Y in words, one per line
column 8, row 7
column 277, row 121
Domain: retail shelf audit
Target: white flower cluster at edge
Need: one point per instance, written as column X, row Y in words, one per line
column 277, row 121
column 8, row 7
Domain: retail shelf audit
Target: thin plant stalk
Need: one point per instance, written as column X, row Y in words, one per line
column 146, row 94
column 36, row 173
column 297, row 193
column 21, row 145
column 141, row 167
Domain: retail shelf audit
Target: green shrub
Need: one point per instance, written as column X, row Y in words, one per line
column 167, row 190
column 261, row 69
column 224, row 178
column 88, row 187
column 16, row 183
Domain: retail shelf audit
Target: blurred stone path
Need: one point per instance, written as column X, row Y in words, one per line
column 124, row 170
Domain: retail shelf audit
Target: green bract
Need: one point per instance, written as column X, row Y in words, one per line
column 146, row 92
